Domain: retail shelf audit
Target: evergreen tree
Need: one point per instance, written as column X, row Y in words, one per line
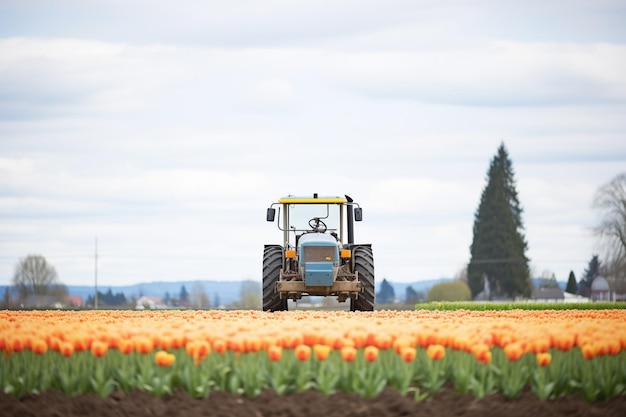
column 386, row 294
column 498, row 250
column 184, row 295
column 107, row 299
column 411, row 296
column 572, row 286
column 592, row 271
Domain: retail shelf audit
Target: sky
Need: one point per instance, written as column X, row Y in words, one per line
column 159, row 132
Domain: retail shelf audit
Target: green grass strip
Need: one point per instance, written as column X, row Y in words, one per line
column 503, row 306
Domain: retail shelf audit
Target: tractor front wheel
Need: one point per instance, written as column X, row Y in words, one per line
column 272, row 264
column 364, row 266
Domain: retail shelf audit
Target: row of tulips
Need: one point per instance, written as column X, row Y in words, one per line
column 245, row 352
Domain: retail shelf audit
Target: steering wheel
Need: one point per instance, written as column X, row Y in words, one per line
column 317, row 225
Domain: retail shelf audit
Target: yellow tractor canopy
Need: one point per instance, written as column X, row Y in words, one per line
column 312, row 200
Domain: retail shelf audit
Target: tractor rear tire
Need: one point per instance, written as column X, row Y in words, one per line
column 272, row 264
column 364, row 266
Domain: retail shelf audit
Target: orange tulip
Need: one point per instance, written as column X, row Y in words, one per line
column 198, row 350
column 303, row 352
column 588, row 351
column 513, row 351
column 564, row 341
column 16, row 345
column 541, row 345
column 144, row 345
column 408, row 354
column 485, row 357
column 321, row 352
column 99, row 349
column 370, row 353
column 346, row 342
column 543, row 359
column 67, row 349
column 39, row 346
column 311, row 338
column 165, row 342
column 400, row 344
column 55, row 343
column 482, row 353
column 383, row 341
column 80, row 343
column 125, row 346
column 348, row 353
column 614, row 347
column 291, row 341
column 436, row 352
column 253, row 344
column 219, row 346
column 238, row 344
column 601, row 347
column 358, row 338
column 178, row 341
column 162, row 358
column 275, row 353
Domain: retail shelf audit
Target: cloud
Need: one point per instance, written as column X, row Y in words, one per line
column 166, row 131
column 41, row 78
column 496, row 74
column 269, row 94
column 423, row 195
column 158, row 187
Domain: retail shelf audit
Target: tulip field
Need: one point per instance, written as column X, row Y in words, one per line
column 551, row 353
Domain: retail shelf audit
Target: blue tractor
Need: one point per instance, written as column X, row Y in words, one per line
column 318, row 255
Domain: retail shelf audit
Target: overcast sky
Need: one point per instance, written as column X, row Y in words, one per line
column 165, row 129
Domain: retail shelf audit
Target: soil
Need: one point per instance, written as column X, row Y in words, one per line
column 389, row 403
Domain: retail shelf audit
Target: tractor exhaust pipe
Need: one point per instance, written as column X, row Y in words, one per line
column 350, row 215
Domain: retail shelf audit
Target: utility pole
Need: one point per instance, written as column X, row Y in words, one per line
column 96, row 276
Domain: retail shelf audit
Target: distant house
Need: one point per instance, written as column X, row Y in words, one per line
column 148, row 303
column 548, row 294
column 74, row 301
column 600, row 289
column 575, row 298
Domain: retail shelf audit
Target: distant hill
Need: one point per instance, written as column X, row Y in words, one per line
column 227, row 292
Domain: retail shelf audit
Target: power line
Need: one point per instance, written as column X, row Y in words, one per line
column 497, row 261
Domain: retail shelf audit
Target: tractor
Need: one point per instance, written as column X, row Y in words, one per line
column 318, row 256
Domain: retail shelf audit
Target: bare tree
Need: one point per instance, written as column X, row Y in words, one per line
column 547, row 279
column 461, row 275
column 198, row 296
column 35, row 276
column 610, row 200
column 250, row 295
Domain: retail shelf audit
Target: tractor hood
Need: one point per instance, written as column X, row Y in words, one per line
column 319, row 258
column 318, row 247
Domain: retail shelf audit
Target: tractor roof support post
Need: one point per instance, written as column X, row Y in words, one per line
column 350, row 217
column 285, row 225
